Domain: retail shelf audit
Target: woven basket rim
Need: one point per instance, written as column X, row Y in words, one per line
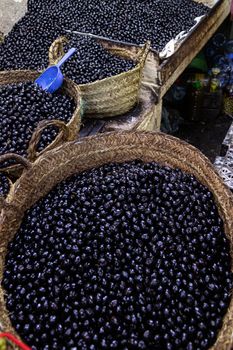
column 179, row 142
column 145, row 48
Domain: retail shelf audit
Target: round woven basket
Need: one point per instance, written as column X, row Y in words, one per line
column 74, row 157
column 68, row 132
column 112, row 96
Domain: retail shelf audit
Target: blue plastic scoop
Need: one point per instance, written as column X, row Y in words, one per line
column 51, row 79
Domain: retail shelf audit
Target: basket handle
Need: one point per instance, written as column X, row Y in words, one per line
column 143, row 53
column 19, row 160
column 56, row 50
column 63, row 136
column 2, row 36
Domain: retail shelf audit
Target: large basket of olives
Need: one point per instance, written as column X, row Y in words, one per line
column 122, row 240
column 112, row 87
column 23, row 105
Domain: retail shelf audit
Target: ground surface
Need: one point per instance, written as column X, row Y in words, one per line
column 10, row 12
column 208, row 137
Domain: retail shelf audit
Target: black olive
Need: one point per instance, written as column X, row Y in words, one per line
column 135, row 21
column 22, row 107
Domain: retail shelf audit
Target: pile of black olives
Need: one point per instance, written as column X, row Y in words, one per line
column 92, row 61
column 126, row 256
column 22, row 107
column 134, row 21
column 27, row 45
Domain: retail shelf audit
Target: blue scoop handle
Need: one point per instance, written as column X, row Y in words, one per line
column 66, row 57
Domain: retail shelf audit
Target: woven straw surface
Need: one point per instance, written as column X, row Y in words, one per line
column 111, row 96
column 228, row 105
column 1, row 38
column 145, row 116
column 209, row 3
column 148, row 123
column 73, row 126
column 74, row 157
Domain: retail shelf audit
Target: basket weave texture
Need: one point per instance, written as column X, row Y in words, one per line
column 111, row 96
column 74, row 157
column 228, row 105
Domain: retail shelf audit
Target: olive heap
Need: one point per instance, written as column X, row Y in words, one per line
column 27, row 45
column 34, row 5
column 22, row 107
column 125, row 256
column 4, row 185
column 93, row 62
column 135, row 21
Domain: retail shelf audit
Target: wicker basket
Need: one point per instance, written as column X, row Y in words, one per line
column 228, row 105
column 1, row 37
column 112, row 96
column 74, row 157
column 68, row 132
